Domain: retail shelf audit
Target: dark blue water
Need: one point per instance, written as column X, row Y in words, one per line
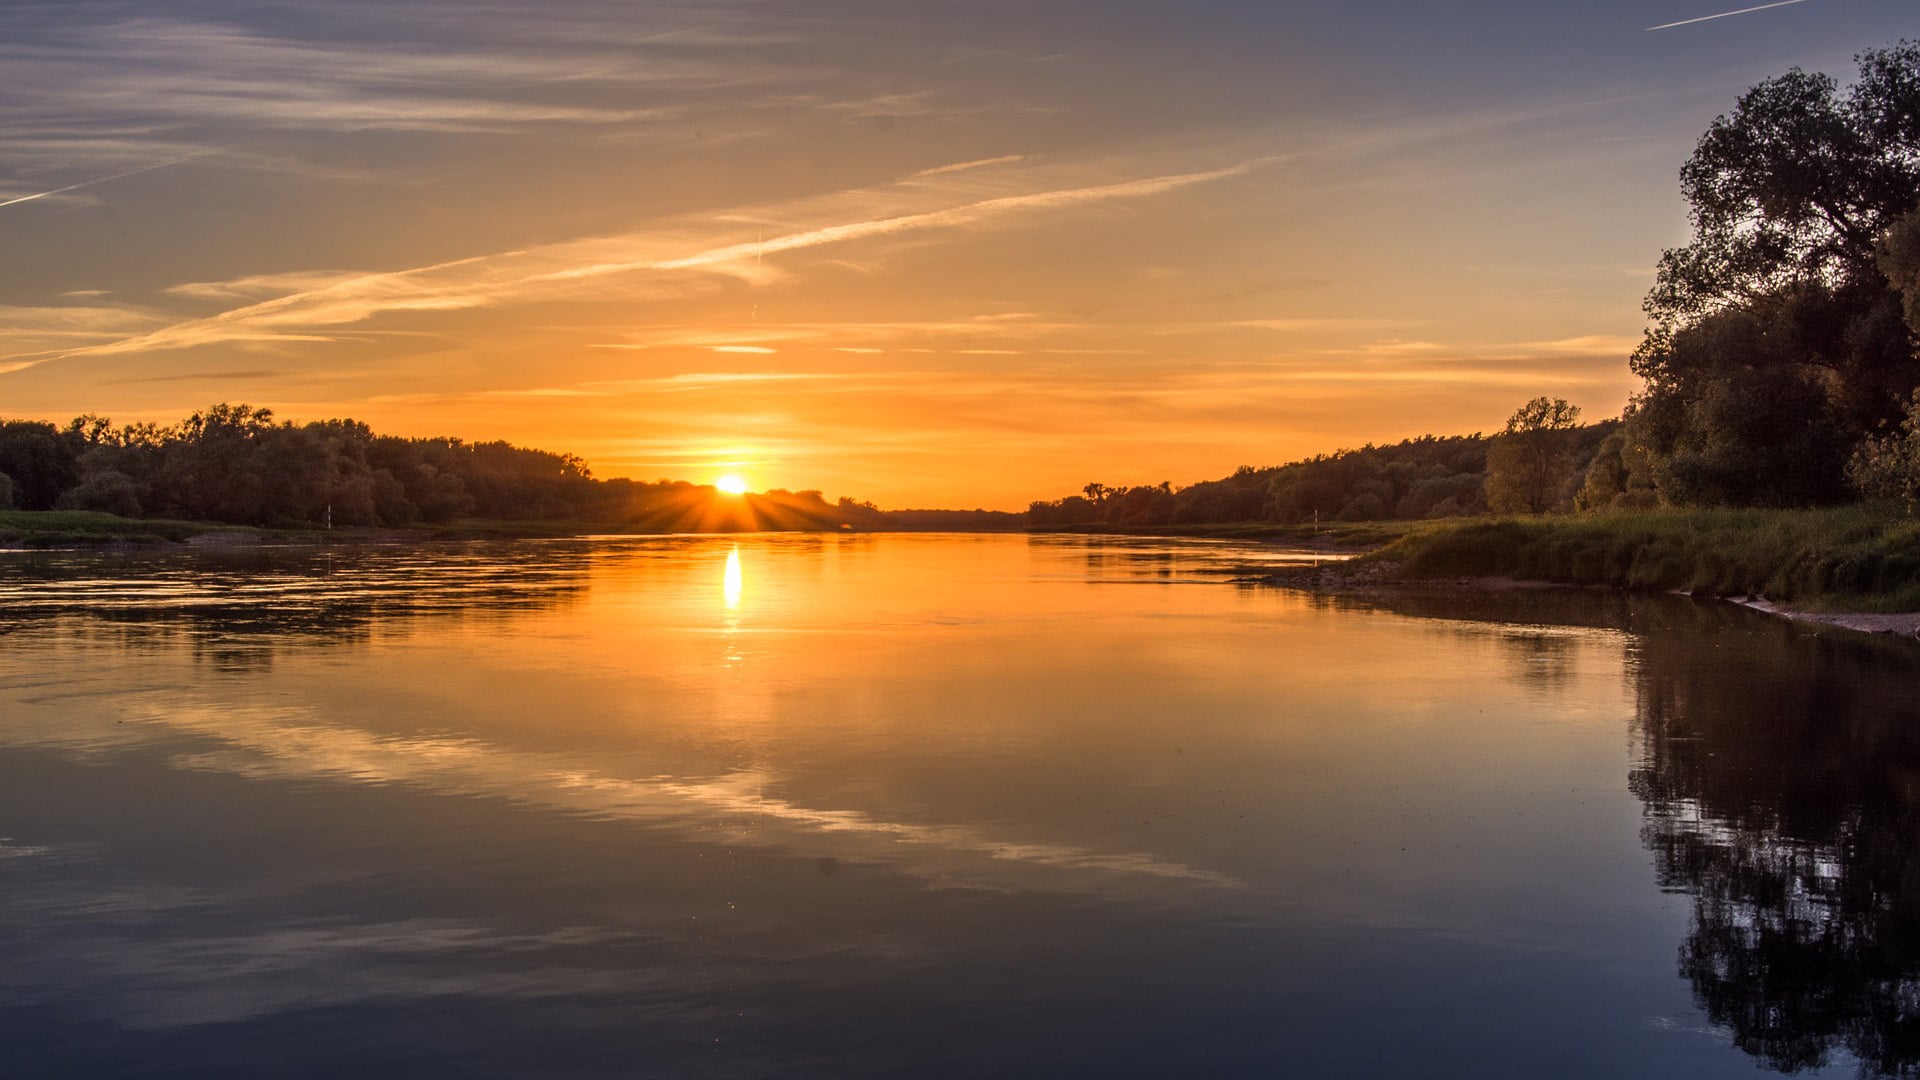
column 933, row 806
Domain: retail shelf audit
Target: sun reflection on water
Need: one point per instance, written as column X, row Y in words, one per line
column 730, row 584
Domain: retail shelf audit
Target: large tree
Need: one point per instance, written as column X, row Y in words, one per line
column 1776, row 341
column 1530, row 466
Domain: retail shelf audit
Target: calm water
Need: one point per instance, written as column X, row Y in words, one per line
column 899, row 805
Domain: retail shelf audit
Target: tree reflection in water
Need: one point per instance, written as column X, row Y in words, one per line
column 236, row 608
column 1779, row 768
column 1780, row 772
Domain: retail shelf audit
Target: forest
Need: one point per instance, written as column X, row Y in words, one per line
column 1428, row 477
column 237, row 464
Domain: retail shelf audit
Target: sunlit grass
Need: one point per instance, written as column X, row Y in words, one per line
column 1855, row 558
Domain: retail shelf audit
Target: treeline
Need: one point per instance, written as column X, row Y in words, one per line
column 236, row 464
column 1428, row 477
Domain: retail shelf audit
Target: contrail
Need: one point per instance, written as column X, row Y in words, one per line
column 104, row 179
column 1725, row 14
column 942, row 170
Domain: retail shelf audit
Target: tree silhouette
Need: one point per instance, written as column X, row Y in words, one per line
column 1531, row 464
column 1776, row 341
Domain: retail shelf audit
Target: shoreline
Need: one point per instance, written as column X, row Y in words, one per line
column 1359, row 574
column 1362, row 578
column 1895, row 624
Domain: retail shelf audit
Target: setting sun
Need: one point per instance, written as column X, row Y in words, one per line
column 731, row 484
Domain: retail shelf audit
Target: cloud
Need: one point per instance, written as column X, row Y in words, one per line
column 197, row 376
column 1586, row 345
column 1298, row 325
column 255, row 286
column 27, row 332
column 966, row 166
column 954, row 217
column 652, row 264
column 202, row 72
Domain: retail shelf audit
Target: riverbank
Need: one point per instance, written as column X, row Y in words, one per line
column 1853, row 559
column 82, row 528
column 1856, row 567
column 43, row 529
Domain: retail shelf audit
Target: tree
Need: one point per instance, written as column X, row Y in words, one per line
column 106, row 490
column 1797, row 185
column 1888, row 467
column 1530, row 465
column 40, row 460
column 1776, row 341
column 1900, row 262
column 211, row 468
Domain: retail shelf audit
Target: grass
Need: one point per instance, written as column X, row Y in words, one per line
column 1854, row 558
column 70, row 528
column 82, row 528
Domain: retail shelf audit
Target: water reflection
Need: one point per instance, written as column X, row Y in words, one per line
column 1781, row 775
column 237, row 608
column 1779, row 770
column 937, row 806
column 730, row 579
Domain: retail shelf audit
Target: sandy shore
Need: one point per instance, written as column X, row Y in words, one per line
column 1904, row 624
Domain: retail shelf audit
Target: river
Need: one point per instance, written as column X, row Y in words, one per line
column 890, row 805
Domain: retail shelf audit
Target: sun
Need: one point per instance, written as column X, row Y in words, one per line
column 732, row 484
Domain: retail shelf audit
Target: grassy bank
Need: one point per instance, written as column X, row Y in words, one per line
column 79, row 528
column 76, row 528
column 1855, row 558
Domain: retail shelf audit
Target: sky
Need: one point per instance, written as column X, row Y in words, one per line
column 965, row 253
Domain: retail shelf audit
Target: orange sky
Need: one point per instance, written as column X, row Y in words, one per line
column 940, row 254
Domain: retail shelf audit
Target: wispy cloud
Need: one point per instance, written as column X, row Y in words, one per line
column 1727, row 14
column 29, row 332
column 633, row 266
column 1585, row 345
column 200, row 72
column 197, row 376
column 967, row 166
column 1303, row 325
column 954, row 217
